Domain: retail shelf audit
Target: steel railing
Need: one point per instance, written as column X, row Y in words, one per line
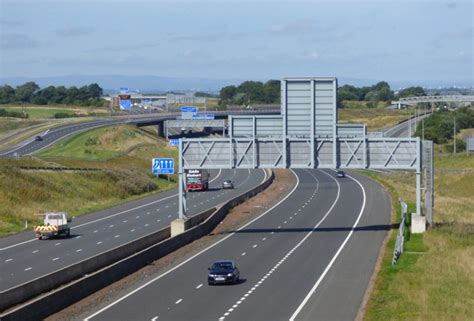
column 400, row 241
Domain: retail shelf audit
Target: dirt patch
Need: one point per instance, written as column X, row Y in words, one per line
column 282, row 184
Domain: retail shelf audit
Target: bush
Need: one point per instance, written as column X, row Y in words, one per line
column 131, row 182
column 64, row 115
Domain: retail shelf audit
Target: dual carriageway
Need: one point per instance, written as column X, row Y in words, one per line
column 310, row 257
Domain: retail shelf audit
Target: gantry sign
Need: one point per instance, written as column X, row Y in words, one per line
column 305, row 135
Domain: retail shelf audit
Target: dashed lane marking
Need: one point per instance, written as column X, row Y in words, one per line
column 179, row 301
column 35, row 251
column 28, row 268
column 197, row 287
column 78, row 250
column 8, row 260
column 55, row 259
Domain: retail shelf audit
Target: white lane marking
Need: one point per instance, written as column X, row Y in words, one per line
column 243, row 254
column 98, row 220
column 132, row 230
column 155, row 318
column 111, row 225
column 137, row 217
column 78, row 237
column 169, row 215
column 59, row 243
column 328, row 267
column 117, row 236
column 146, row 225
column 285, row 222
column 263, row 239
column 147, row 213
column 294, row 248
column 98, row 243
column 35, row 251
column 273, row 232
column 55, row 259
column 179, row 301
column 124, row 221
column 255, row 245
column 78, row 250
column 199, row 253
column 95, row 231
column 158, row 220
column 28, row 268
column 8, row 260
column 199, row 286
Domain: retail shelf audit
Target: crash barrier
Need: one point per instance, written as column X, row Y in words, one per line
column 28, row 290
column 399, row 242
column 139, row 255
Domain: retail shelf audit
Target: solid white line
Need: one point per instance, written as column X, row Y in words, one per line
column 197, row 254
column 328, row 267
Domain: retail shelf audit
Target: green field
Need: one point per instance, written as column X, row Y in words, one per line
column 48, row 112
column 375, row 118
column 122, row 152
column 434, row 279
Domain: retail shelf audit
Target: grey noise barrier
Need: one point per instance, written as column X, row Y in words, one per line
column 90, row 275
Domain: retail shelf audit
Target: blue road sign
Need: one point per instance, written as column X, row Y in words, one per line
column 174, row 142
column 203, row 116
column 189, row 109
column 163, row 166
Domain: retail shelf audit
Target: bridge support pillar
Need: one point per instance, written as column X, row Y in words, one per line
column 160, row 128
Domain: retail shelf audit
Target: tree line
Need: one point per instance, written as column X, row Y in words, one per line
column 269, row 92
column 251, row 92
column 30, row 92
column 439, row 126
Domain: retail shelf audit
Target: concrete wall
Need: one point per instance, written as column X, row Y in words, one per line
column 68, row 294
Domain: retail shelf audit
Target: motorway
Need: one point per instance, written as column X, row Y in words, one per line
column 310, row 257
column 23, row 258
column 404, row 129
column 30, row 146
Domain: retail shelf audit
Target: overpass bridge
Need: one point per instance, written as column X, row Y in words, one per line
column 409, row 101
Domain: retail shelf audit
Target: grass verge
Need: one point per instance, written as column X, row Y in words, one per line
column 122, row 152
column 434, row 277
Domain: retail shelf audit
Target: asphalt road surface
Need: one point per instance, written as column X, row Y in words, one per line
column 404, row 129
column 310, row 257
column 23, row 258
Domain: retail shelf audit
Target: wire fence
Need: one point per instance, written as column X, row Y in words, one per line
column 399, row 243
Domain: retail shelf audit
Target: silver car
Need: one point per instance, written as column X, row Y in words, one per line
column 227, row 184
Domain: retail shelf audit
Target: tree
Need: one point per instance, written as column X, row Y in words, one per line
column 412, row 91
column 7, row 94
column 228, row 92
column 95, row 91
column 25, row 92
column 272, row 91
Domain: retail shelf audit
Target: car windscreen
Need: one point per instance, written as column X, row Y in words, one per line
column 222, row 266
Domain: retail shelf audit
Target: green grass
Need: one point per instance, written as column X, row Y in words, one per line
column 98, row 144
column 375, row 118
column 433, row 279
column 47, row 112
column 123, row 152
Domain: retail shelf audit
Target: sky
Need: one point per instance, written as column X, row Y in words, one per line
column 386, row 40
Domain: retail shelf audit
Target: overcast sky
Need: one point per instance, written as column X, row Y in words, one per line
column 389, row 40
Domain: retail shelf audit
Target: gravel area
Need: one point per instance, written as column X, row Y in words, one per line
column 283, row 183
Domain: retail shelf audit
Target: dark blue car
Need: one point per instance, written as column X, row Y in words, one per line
column 223, row 272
